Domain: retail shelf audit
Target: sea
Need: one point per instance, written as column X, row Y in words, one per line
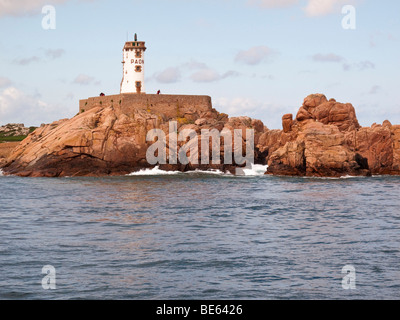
column 201, row 235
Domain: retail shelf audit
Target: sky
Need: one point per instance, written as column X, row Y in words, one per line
column 257, row 58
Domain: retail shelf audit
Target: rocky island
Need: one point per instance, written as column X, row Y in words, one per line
column 324, row 139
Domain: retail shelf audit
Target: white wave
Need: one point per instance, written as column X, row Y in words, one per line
column 211, row 171
column 1, row 172
column 348, row 177
column 156, row 171
column 334, row 178
column 320, row 178
column 256, row 170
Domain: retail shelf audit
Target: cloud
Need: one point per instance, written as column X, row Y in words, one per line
column 273, row 3
column 331, row 57
column 4, row 82
column 255, row 55
column 169, row 75
column 54, row 53
column 23, row 7
column 376, row 37
column 360, row 66
column 17, row 107
column 244, row 106
column 205, row 75
column 27, row 61
column 192, row 64
column 347, row 66
column 84, row 79
column 313, row 8
column 211, row 75
column 196, row 71
column 237, row 106
column 27, row 7
column 375, row 89
column 316, row 8
column 49, row 54
column 230, row 73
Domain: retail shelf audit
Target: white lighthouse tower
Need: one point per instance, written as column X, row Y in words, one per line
column 133, row 67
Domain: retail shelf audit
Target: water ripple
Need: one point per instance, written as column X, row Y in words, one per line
column 199, row 237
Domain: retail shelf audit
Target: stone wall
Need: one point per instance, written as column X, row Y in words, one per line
column 170, row 106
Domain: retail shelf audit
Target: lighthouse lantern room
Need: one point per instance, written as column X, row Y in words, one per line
column 133, row 67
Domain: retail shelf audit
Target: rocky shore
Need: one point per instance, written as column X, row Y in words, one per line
column 324, row 139
column 14, row 129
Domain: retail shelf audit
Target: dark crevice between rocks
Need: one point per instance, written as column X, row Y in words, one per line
column 362, row 162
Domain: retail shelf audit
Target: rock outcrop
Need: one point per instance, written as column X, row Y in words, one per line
column 111, row 141
column 6, row 149
column 323, row 140
column 13, row 130
column 326, row 139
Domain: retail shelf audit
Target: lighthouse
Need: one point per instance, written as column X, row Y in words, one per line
column 133, row 67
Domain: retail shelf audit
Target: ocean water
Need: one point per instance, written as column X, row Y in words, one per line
column 153, row 235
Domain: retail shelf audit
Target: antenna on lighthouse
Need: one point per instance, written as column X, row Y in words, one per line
column 135, row 37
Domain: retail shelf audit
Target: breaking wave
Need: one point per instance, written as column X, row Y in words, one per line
column 153, row 172
column 256, row 170
column 211, row 171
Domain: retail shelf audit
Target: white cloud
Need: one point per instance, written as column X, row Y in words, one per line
column 22, row 7
column 27, row 61
column 271, row 114
column 313, row 8
column 331, row 57
column 49, row 54
column 347, row 66
column 211, row 75
column 169, row 75
column 323, row 7
column 205, row 75
column 193, row 64
column 360, row 66
column 4, row 82
column 255, row 55
column 229, row 74
column 197, row 71
column 55, row 53
column 378, row 36
column 272, row 3
column 84, row 79
column 375, row 89
column 19, row 107
column 237, row 106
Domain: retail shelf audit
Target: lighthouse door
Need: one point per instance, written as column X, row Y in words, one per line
column 138, row 86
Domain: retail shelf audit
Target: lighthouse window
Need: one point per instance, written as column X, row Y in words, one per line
column 138, row 69
column 138, row 54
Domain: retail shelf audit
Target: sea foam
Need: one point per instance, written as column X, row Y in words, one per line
column 255, row 170
column 153, row 172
